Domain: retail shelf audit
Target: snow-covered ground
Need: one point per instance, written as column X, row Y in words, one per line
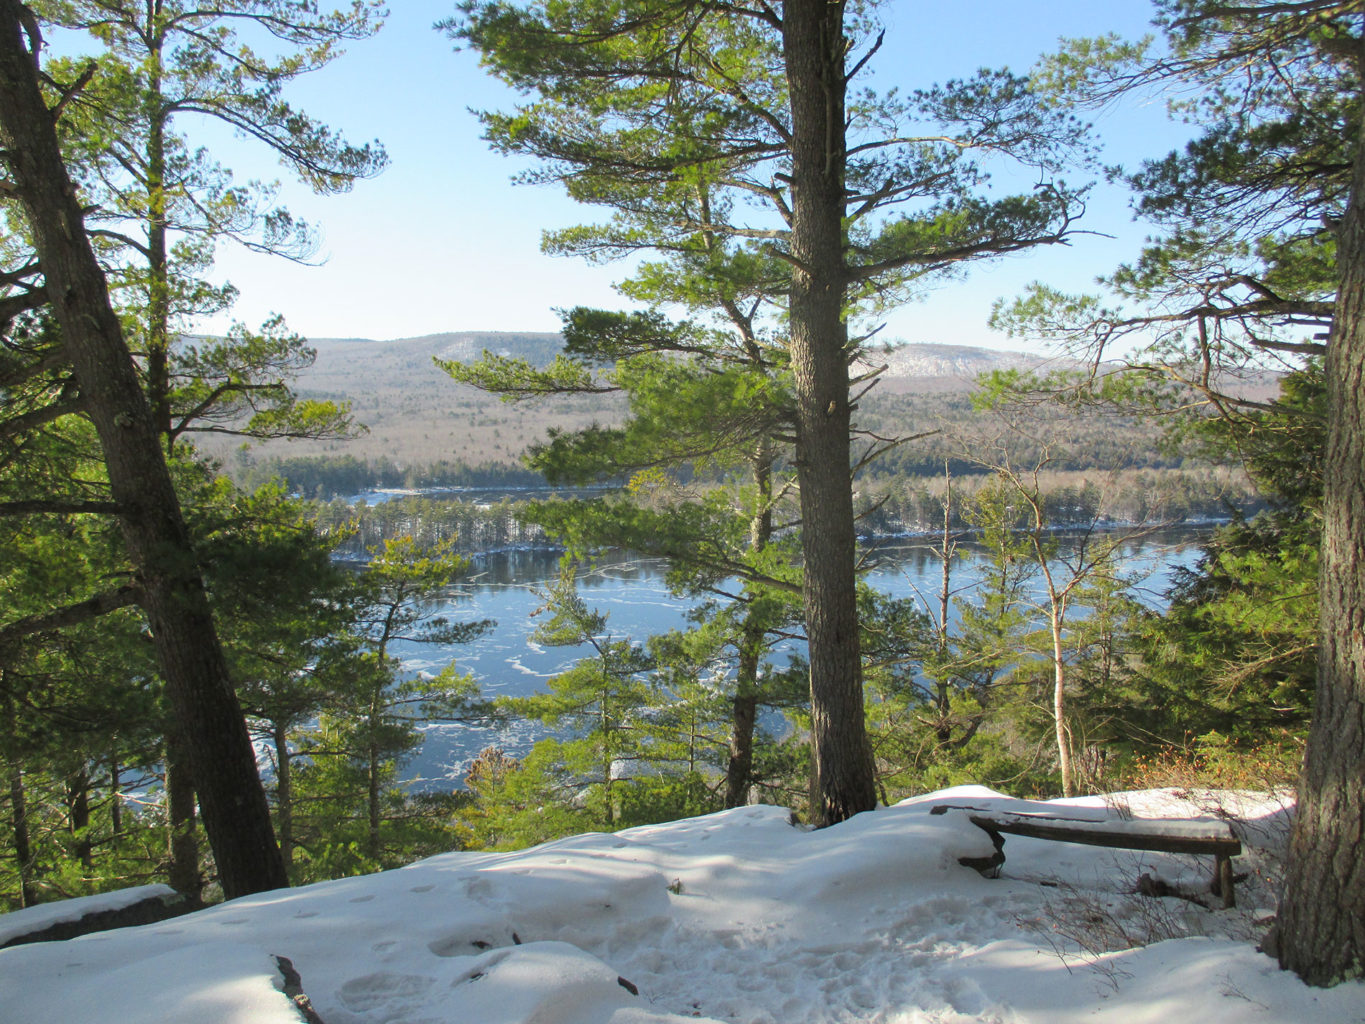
column 738, row 916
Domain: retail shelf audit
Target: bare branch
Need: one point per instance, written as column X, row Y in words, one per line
column 70, row 615
column 58, row 507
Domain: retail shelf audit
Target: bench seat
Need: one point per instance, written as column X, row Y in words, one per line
column 1178, row 836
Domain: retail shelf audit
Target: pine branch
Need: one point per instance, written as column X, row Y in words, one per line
column 70, row 615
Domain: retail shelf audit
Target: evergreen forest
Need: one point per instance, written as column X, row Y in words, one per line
column 200, row 671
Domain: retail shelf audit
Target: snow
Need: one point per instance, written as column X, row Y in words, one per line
column 739, row 916
column 45, row 915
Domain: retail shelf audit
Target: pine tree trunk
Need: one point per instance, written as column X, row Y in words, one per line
column 944, row 695
column 236, row 815
column 739, row 770
column 78, row 810
column 158, row 261
column 744, row 707
column 18, row 805
column 813, row 49
column 23, row 844
column 180, row 818
column 284, row 795
column 607, row 758
column 373, row 847
column 115, row 801
column 1321, row 928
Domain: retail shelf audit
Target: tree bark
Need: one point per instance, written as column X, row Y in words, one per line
column 1060, row 730
column 373, row 846
column 115, row 800
column 236, row 815
column 1056, row 619
column 23, row 845
column 284, row 794
column 18, row 805
column 78, row 809
column 158, row 359
column 1321, row 927
column 944, row 695
column 739, row 770
column 183, row 843
column 744, row 708
column 813, row 49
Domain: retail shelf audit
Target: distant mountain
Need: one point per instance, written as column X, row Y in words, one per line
column 415, row 414
column 346, row 356
column 417, row 418
column 536, row 349
column 964, row 361
column 345, row 364
column 929, row 368
column 462, row 345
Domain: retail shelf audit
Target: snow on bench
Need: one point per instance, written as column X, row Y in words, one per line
column 1163, row 836
column 65, row 919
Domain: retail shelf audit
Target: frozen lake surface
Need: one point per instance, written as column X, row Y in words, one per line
column 508, row 587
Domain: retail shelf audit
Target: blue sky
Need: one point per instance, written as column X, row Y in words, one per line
column 443, row 241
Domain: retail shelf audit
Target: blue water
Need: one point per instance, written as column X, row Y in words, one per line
column 508, row 587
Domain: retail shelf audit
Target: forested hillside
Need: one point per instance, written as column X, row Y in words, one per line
column 422, row 429
column 416, row 415
column 213, row 679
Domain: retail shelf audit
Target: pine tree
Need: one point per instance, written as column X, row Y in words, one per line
column 161, row 62
column 1264, row 259
column 162, row 205
column 750, row 103
column 375, row 727
column 708, row 409
column 235, row 810
column 1235, row 653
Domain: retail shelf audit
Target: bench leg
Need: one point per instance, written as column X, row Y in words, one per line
column 1222, row 880
column 988, row 866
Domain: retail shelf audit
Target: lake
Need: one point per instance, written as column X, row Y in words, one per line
column 508, row 588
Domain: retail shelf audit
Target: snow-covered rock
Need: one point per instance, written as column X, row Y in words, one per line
column 736, row 916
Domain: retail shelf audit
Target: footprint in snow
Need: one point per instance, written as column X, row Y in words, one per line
column 384, row 989
column 463, row 945
column 475, row 887
column 846, row 961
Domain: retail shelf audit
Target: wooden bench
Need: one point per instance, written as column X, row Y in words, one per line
column 1162, row 837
